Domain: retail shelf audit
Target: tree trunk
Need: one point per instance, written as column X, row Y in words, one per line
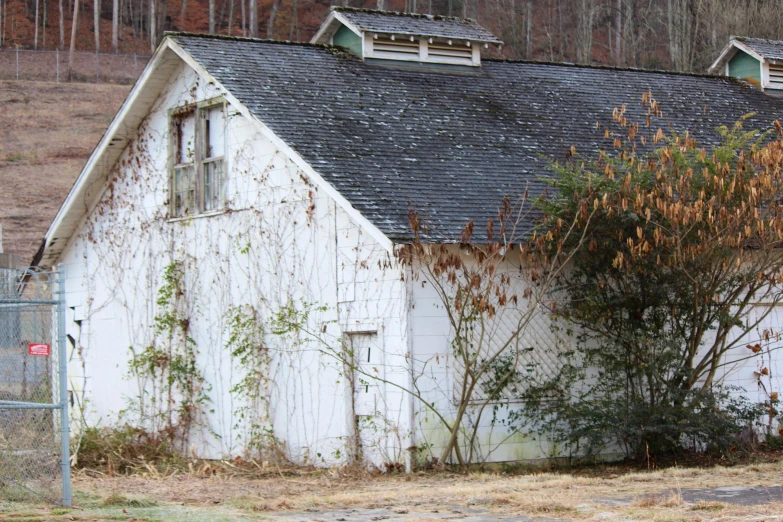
column 211, row 16
column 74, row 24
column 270, row 23
column 253, row 18
column 293, row 31
column 44, row 21
column 35, row 38
column 528, row 29
column 96, row 13
column 182, row 12
column 618, row 32
column 115, row 17
column 152, row 30
column 380, row 5
column 244, row 17
column 162, row 9
column 230, row 15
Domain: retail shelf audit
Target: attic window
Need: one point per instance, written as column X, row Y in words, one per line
column 197, row 158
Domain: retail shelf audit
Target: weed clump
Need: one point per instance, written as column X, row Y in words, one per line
column 125, row 450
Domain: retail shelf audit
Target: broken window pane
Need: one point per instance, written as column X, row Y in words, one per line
column 213, row 184
column 214, row 129
column 184, row 190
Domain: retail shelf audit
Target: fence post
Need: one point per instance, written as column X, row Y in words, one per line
column 65, row 436
column 57, row 59
column 17, row 63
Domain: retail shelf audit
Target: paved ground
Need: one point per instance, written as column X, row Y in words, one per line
column 403, row 515
column 743, row 496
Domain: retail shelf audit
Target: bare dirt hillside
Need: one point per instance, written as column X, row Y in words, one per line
column 47, row 132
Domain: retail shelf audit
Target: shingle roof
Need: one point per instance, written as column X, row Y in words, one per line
column 772, row 49
column 448, row 144
column 416, row 25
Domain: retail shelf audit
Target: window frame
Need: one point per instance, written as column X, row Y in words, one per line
column 198, row 111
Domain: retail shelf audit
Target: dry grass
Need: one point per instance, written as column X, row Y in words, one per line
column 610, row 493
column 47, row 132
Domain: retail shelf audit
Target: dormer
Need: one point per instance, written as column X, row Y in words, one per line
column 381, row 35
column 757, row 61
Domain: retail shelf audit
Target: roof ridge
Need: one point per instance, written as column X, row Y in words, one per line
column 611, row 68
column 346, row 9
column 247, row 39
column 755, row 38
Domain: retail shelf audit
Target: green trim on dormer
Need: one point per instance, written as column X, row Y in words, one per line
column 344, row 37
column 745, row 67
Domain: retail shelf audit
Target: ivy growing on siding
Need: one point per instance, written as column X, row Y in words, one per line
column 175, row 395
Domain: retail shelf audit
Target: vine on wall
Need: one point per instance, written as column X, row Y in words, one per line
column 173, row 392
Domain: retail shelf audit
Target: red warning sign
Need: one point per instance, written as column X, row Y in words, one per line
column 43, row 350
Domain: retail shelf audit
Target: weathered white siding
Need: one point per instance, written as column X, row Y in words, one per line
column 280, row 242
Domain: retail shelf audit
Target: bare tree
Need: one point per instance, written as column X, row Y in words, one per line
column 618, row 32
column 152, row 28
column 211, row 16
column 528, row 28
column 96, row 13
column 270, row 23
column 585, row 23
column 35, row 40
column 74, row 24
column 253, row 18
column 115, row 16
column 682, row 21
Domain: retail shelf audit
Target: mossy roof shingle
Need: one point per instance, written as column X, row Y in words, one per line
column 416, row 25
column 451, row 145
column 771, row 49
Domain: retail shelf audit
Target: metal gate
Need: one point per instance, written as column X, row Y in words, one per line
column 34, row 438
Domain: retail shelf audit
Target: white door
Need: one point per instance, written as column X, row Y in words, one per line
column 367, row 398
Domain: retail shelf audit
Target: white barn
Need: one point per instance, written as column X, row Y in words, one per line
column 243, row 177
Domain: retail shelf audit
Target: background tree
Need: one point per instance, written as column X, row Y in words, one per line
column 681, row 264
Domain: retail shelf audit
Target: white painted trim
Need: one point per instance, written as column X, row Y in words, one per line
column 748, row 50
column 723, row 56
column 368, row 46
column 728, row 53
column 327, row 187
column 103, row 145
column 323, row 28
column 326, row 26
column 343, row 20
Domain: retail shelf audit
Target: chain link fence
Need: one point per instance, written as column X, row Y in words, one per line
column 52, row 66
column 34, row 437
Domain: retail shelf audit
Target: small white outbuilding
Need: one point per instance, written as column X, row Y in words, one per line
column 248, row 185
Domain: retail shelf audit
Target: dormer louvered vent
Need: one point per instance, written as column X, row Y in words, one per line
column 395, row 49
column 380, row 35
column 445, row 53
column 775, row 76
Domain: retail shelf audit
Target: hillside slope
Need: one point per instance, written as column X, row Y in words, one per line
column 47, row 132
